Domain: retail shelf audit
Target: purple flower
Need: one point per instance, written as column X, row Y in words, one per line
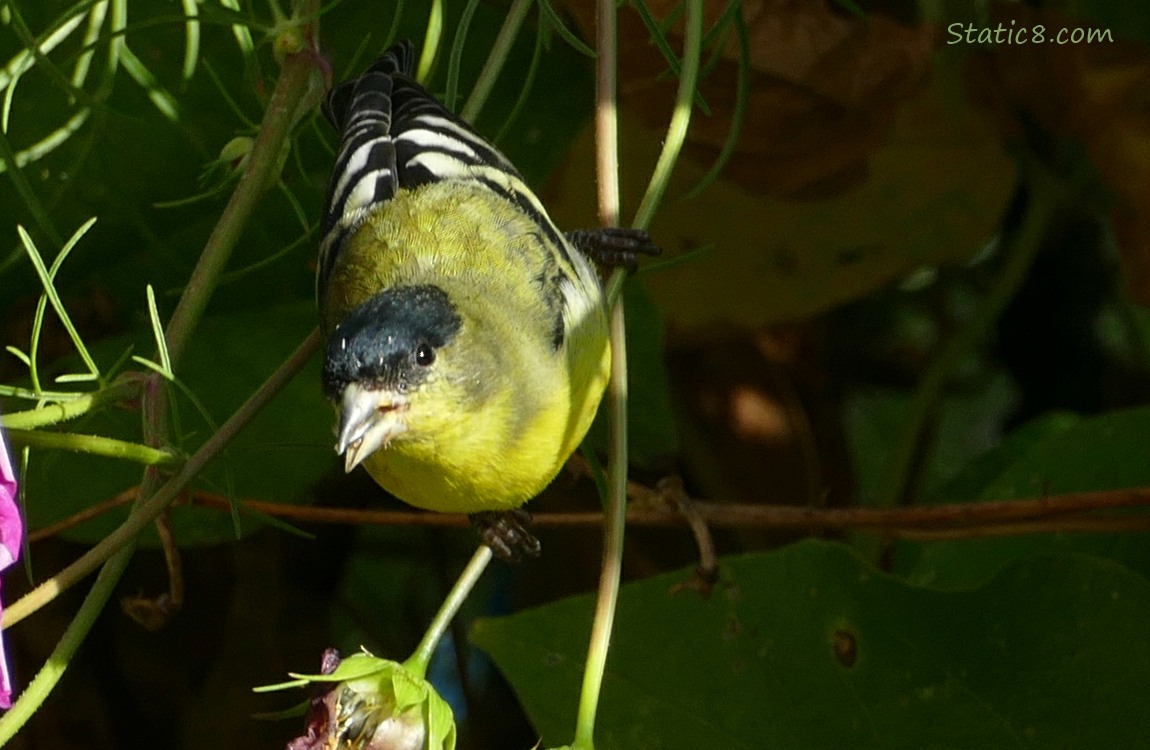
column 11, row 535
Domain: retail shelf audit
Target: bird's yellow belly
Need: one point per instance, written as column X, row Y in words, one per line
column 470, row 464
column 468, row 477
column 431, row 487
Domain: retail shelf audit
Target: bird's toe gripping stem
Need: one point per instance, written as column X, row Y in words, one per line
column 505, row 532
column 614, row 246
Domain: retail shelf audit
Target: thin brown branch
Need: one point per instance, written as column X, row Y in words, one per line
column 954, row 515
column 1073, row 512
column 92, row 511
column 1061, row 525
column 706, row 573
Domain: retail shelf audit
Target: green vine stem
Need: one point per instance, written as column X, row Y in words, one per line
column 97, row 445
column 607, row 161
column 430, row 40
column 421, row 658
column 607, row 172
column 1020, row 254
column 606, row 115
column 680, row 117
column 294, row 92
column 516, row 14
column 616, row 521
column 122, row 390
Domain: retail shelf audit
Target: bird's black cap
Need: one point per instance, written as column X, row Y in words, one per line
column 390, row 340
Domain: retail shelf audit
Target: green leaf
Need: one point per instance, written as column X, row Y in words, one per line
column 973, row 478
column 1056, row 455
column 355, row 667
column 1105, row 452
column 809, row 647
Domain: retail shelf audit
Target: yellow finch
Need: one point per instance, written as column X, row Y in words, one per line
column 466, row 336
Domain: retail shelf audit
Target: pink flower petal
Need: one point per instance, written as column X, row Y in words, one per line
column 5, row 680
column 11, row 536
column 11, row 525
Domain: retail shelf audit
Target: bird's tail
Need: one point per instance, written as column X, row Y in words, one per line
column 344, row 98
column 365, row 174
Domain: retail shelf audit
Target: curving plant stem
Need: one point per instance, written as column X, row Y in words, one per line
column 512, row 22
column 120, row 391
column 418, row 662
column 607, row 170
column 607, row 175
column 117, row 548
column 96, row 445
column 680, row 116
column 295, row 90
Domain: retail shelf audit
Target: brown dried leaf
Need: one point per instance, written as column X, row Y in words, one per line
column 823, row 89
column 934, row 194
column 853, row 168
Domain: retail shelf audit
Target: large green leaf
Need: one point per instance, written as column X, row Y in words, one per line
column 810, row 647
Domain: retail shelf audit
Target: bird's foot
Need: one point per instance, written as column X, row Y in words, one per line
column 615, row 246
column 505, row 532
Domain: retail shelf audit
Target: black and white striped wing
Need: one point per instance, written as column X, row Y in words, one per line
column 365, row 172
column 433, row 145
column 398, row 136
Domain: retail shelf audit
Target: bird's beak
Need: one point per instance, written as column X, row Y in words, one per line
column 368, row 420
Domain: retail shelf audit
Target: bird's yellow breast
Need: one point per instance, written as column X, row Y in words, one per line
column 470, row 464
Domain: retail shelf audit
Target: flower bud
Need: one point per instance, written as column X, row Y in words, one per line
column 369, row 703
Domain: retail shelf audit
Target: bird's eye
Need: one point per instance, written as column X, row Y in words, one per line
column 424, row 355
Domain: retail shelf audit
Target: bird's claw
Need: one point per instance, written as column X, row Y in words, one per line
column 505, row 532
column 615, row 246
